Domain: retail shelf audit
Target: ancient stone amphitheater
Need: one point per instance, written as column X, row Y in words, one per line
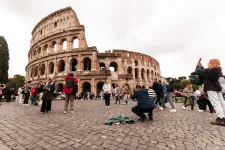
column 59, row 46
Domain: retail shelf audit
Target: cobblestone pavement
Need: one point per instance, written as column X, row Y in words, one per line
column 24, row 128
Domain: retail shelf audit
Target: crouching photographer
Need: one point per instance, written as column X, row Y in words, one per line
column 212, row 87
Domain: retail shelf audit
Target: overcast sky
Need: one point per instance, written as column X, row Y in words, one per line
column 175, row 32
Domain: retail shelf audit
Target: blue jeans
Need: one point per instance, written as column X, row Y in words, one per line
column 168, row 99
column 33, row 99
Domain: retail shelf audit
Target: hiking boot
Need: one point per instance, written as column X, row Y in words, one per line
column 219, row 122
column 142, row 119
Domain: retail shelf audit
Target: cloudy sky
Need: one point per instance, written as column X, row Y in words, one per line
column 175, row 32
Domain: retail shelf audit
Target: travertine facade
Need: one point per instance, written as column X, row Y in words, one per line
column 58, row 45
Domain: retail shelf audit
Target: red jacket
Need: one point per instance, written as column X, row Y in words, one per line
column 69, row 90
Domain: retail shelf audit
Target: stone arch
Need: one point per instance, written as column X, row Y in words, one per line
column 142, row 73
column 51, row 68
column 32, row 73
column 64, row 44
column 136, row 73
column 152, row 75
column 39, row 51
column 59, row 87
column 61, row 66
column 87, row 63
column 36, row 71
column 155, row 75
column 42, row 69
column 75, row 42
column 45, row 49
column 54, row 46
column 148, row 74
column 99, row 87
column 114, row 65
column 129, row 70
column 34, row 53
column 86, row 87
column 102, row 65
column 136, row 63
column 73, row 64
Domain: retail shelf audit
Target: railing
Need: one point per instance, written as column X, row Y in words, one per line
column 93, row 73
column 125, row 76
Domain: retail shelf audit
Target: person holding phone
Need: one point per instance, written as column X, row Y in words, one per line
column 107, row 90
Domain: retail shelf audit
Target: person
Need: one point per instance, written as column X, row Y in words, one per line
column 20, row 95
column 145, row 104
column 68, row 89
column 166, row 92
column 48, row 95
column 156, row 87
column 2, row 87
column 27, row 89
column 188, row 94
column 117, row 93
column 33, row 94
column 40, row 88
column 107, row 90
column 213, row 88
column 222, row 83
column 152, row 94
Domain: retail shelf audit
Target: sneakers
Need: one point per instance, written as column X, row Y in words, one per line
column 161, row 108
column 65, row 112
column 219, row 122
column 200, row 110
column 72, row 111
column 183, row 107
column 173, row 110
column 108, row 106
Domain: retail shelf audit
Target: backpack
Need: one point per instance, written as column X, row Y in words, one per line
column 75, row 88
column 33, row 90
column 169, row 88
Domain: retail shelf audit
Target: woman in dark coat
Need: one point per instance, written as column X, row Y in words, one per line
column 48, row 95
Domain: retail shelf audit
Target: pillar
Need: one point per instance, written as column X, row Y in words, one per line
column 79, row 61
column 94, row 61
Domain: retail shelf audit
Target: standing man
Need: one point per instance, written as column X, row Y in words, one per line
column 117, row 93
column 156, row 88
column 20, row 95
column 27, row 90
column 2, row 87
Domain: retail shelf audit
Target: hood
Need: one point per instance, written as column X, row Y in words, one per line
column 69, row 77
column 144, row 91
column 216, row 70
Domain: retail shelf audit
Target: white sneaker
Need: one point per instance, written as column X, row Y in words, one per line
column 173, row 110
column 64, row 112
column 108, row 106
column 26, row 104
column 183, row 107
column 161, row 108
column 200, row 110
column 72, row 112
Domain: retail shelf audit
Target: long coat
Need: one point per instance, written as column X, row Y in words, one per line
column 49, row 94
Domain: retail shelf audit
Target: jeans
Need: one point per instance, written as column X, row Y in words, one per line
column 107, row 99
column 217, row 102
column 26, row 99
column 167, row 97
column 192, row 102
column 33, row 99
column 69, row 99
column 46, row 105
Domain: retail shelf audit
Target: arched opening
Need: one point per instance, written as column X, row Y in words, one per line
column 73, row 64
column 155, row 75
column 39, row 51
column 36, row 71
column 142, row 74
column 114, row 66
column 55, row 24
column 51, row 68
column 129, row 70
column 42, row 70
column 32, row 73
column 152, row 75
column 148, row 74
column 86, row 87
column 54, row 46
column 87, row 63
column 75, row 42
column 45, row 49
column 102, row 65
column 64, row 44
column 99, row 87
column 59, row 87
column 136, row 73
column 136, row 63
column 61, row 66
column 34, row 54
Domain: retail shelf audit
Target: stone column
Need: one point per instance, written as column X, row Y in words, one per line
column 94, row 61
column 59, row 46
column 79, row 61
column 93, row 85
column 139, row 73
column 46, row 69
column 67, row 64
column 55, row 67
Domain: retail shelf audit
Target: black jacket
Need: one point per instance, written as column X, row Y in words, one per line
column 48, row 95
column 211, row 77
column 143, row 100
column 155, row 87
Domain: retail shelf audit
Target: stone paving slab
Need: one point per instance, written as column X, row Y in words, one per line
column 24, row 128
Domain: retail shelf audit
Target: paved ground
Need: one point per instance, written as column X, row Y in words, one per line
column 25, row 128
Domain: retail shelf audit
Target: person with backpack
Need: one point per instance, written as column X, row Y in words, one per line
column 27, row 89
column 188, row 94
column 156, row 87
column 167, row 89
column 33, row 94
column 70, row 90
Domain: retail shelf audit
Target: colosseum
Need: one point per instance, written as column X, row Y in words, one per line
column 59, row 46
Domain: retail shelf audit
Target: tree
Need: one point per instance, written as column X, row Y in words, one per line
column 177, row 86
column 4, row 60
column 184, row 83
column 16, row 81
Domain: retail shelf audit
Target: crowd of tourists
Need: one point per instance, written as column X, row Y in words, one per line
column 211, row 93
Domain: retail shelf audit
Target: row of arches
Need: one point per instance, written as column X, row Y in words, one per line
column 143, row 73
column 55, row 46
